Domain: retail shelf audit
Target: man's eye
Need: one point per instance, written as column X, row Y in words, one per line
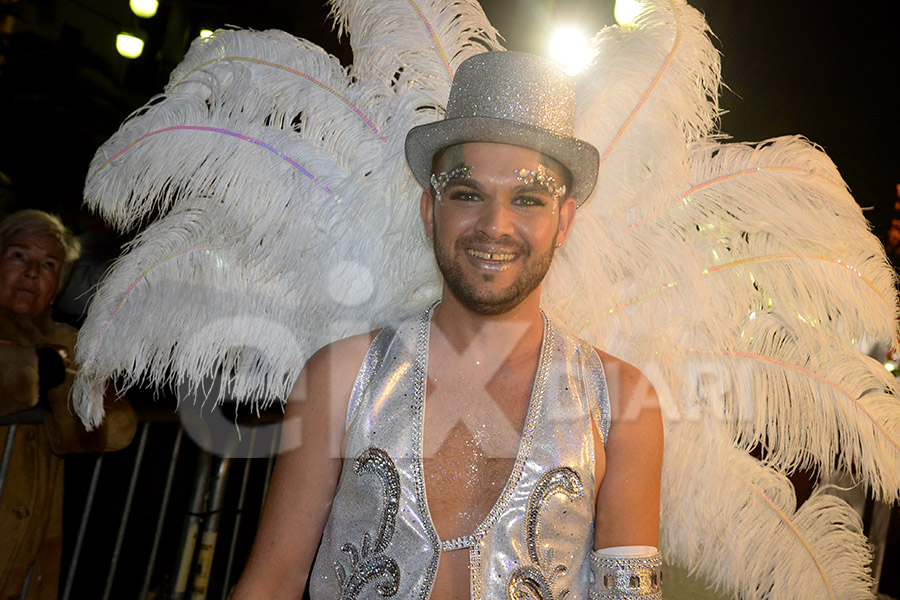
column 530, row 201
column 465, row 196
column 51, row 265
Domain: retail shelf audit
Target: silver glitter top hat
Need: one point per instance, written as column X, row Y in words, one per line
column 509, row 98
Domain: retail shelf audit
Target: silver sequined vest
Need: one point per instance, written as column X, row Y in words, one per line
column 379, row 540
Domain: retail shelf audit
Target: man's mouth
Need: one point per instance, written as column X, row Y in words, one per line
column 497, row 256
column 494, row 260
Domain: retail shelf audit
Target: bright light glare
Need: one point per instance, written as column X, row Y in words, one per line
column 627, row 11
column 890, row 366
column 205, row 33
column 144, row 8
column 129, row 46
column 570, row 48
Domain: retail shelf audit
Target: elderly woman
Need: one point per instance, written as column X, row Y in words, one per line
column 37, row 253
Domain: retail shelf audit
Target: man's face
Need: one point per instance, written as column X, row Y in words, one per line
column 29, row 274
column 501, row 212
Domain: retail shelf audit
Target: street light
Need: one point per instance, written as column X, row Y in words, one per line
column 144, row 8
column 627, row 11
column 128, row 45
column 570, row 48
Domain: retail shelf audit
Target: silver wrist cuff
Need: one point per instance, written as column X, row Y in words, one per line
column 626, row 577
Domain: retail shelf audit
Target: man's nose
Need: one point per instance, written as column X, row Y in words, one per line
column 496, row 219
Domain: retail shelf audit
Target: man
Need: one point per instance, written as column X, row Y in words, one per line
column 37, row 253
column 530, row 455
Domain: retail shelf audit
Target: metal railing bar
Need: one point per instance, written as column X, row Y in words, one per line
column 7, row 454
column 164, row 504
column 82, row 529
column 191, row 529
column 113, row 563
column 210, row 528
column 237, row 518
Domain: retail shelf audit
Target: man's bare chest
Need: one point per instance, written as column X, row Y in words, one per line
column 471, row 438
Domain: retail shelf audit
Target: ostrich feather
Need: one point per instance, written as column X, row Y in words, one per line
column 734, row 521
column 230, row 169
column 650, row 90
column 419, row 41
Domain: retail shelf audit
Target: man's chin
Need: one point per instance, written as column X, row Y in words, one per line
column 489, row 305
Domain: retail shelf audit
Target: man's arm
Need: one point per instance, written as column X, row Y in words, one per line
column 306, row 474
column 628, row 499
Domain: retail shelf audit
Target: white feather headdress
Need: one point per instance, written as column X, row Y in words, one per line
column 739, row 277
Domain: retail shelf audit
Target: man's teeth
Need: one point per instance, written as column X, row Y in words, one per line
column 491, row 256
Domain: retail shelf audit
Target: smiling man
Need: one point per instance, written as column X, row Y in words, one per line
column 480, row 450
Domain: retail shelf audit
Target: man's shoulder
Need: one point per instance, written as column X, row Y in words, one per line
column 630, row 390
column 344, row 353
column 611, row 361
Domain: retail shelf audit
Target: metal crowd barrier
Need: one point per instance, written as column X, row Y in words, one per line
column 168, row 517
column 174, row 518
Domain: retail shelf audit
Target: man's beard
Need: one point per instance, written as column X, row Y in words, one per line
column 495, row 302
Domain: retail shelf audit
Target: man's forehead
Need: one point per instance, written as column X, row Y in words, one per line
column 466, row 155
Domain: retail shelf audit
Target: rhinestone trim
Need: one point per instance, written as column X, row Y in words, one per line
column 418, row 416
column 458, row 543
column 525, row 444
column 627, row 577
column 368, row 563
column 440, row 180
column 561, row 480
column 537, row 580
column 599, row 403
column 542, row 177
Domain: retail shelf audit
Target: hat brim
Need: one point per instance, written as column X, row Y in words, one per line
column 424, row 141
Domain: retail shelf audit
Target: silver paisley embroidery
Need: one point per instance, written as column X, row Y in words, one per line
column 536, row 581
column 369, row 564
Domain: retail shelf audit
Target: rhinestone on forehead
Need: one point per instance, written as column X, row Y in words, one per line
column 543, row 177
column 440, row 180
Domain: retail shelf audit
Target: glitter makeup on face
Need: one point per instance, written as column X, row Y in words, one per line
column 440, row 180
column 541, row 176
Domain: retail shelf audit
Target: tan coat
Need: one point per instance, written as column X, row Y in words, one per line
column 31, row 506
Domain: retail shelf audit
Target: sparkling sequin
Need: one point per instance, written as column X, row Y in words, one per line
column 543, row 177
column 561, row 480
column 544, row 100
column 368, row 563
column 440, row 180
column 457, row 543
column 627, row 577
column 533, row 581
column 531, row 421
column 528, row 583
column 421, row 373
column 387, row 411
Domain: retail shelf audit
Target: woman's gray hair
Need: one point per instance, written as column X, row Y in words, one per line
column 39, row 223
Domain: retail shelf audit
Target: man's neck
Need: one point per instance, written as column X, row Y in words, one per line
column 509, row 337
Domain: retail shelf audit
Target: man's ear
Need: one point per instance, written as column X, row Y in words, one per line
column 426, row 208
column 566, row 219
